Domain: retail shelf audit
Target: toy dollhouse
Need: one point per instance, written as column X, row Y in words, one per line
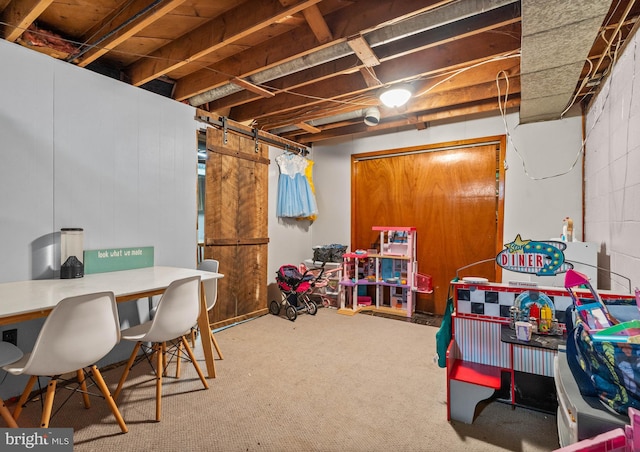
column 386, row 279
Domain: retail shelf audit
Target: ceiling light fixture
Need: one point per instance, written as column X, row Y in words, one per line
column 396, row 96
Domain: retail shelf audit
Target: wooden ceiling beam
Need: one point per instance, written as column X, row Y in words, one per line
column 18, row 15
column 369, row 77
column 319, row 112
column 115, row 30
column 251, row 87
column 484, row 74
column 301, row 41
column 363, row 51
column 318, row 25
column 465, row 95
column 346, row 65
column 480, row 73
column 247, row 18
column 436, row 60
column 333, row 89
column 498, row 21
column 432, row 61
column 409, row 122
column 349, row 64
column 308, row 127
column 483, row 91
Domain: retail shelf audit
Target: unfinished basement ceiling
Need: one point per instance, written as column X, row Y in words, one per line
column 556, row 40
column 308, row 70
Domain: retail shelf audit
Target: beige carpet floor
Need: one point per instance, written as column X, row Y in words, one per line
column 322, row 383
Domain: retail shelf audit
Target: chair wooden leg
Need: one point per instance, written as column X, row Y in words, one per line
column 193, row 337
column 215, row 344
column 164, row 359
column 160, row 347
column 178, row 358
column 127, row 369
column 48, row 403
column 194, row 362
column 109, row 399
column 25, row 395
column 6, row 415
column 83, row 387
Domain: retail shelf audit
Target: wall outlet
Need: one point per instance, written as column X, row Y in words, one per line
column 10, row 336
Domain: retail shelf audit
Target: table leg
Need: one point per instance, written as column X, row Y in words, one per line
column 205, row 339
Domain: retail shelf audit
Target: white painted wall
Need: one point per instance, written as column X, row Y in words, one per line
column 78, row 149
column 612, row 170
column 82, row 150
column 537, row 197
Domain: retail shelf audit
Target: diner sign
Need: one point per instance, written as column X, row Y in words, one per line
column 115, row 259
column 545, row 258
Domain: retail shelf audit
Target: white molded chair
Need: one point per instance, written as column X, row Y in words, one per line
column 78, row 332
column 211, row 294
column 177, row 311
column 9, row 354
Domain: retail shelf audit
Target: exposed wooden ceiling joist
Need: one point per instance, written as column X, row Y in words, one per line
column 122, row 25
column 406, row 122
column 484, row 73
column 251, row 87
column 318, row 26
column 349, row 63
column 363, row 51
column 230, row 27
column 309, row 69
column 451, row 56
column 18, row 15
column 299, row 43
column 308, row 127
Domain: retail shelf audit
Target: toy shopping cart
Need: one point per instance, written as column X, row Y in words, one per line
column 325, row 283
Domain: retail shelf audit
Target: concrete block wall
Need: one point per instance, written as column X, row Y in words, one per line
column 612, row 171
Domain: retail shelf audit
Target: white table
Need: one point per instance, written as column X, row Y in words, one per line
column 26, row 300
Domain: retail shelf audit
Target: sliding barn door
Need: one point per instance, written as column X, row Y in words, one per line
column 452, row 194
column 236, row 232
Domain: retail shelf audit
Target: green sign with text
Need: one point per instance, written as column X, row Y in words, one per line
column 114, row 259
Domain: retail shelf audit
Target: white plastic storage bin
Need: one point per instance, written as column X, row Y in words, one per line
column 580, row 417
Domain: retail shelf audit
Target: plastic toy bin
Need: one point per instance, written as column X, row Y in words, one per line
column 423, row 283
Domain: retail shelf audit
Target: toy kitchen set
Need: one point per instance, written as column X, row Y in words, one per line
column 506, row 338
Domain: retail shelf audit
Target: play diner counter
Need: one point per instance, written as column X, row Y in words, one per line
column 485, row 358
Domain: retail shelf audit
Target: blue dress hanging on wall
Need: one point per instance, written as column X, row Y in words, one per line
column 295, row 197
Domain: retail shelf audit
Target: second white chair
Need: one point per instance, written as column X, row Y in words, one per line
column 177, row 311
column 211, row 295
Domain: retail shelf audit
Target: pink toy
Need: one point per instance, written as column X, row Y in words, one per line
column 594, row 314
column 617, row 440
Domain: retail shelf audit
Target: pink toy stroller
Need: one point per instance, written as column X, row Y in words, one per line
column 294, row 288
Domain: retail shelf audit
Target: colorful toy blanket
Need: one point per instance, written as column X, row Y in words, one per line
column 608, row 370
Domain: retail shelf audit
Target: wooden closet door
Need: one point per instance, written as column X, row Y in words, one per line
column 236, row 223
column 452, row 194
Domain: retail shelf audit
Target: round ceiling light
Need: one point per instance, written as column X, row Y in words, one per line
column 395, row 96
